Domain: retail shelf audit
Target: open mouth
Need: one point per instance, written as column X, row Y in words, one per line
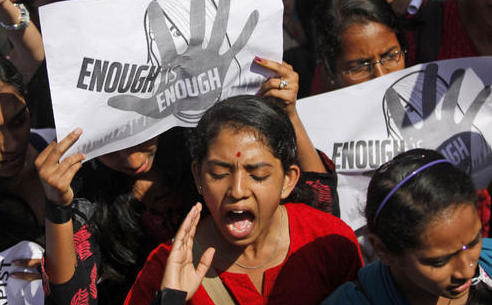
column 239, row 223
column 460, row 289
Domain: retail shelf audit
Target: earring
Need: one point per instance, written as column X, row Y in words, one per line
column 471, row 264
column 200, row 189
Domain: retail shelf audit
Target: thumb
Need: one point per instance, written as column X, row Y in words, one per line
column 125, row 102
column 144, row 106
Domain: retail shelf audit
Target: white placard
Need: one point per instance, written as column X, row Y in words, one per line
column 125, row 71
column 444, row 105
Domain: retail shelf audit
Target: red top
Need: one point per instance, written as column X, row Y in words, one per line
column 323, row 254
column 455, row 42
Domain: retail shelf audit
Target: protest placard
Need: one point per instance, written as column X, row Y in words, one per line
column 125, row 71
column 445, row 105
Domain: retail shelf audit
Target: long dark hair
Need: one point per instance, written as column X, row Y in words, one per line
column 18, row 221
column 416, row 203
column 10, row 75
column 263, row 117
column 118, row 227
column 332, row 17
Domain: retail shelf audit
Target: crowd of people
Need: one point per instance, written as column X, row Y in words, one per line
column 243, row 209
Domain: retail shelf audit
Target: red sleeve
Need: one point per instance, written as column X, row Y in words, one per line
column 324, row 186
column 149, row 278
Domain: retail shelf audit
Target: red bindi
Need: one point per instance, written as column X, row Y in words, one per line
column 238, row 154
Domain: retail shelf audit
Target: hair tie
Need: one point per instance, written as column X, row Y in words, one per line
column 410, row 176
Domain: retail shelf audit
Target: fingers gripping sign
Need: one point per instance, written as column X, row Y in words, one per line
column 56, row 176
column 193, row 80
column 425, row 127
column 180, row 273
column 284, row 86
column 27, row 263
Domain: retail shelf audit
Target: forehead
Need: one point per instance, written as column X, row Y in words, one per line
column 366, row 40
column 450, row 230
column 247, row 141
column 10, row 102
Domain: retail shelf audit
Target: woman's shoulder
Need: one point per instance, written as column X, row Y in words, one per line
column 323, row 231
column 312, row 219
column 346, row 294
column 160, row 254
column 486, row 255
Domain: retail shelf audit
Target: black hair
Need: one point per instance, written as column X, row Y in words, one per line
column 10, row 75
column 118, row 227
column 18, row 221
column 262, row 116
column 416, row 203
column 332, row 17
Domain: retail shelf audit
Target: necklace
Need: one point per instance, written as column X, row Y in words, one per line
column 277, row 243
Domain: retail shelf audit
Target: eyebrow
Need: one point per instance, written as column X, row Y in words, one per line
column 389, row 51
column 21, row 112
column 448, row 256
column 249, row 167
column 363, row 60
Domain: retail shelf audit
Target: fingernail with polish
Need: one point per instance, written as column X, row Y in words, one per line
column 258, row 59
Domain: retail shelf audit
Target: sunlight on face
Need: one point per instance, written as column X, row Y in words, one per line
column 367, row 43
column 440, row 266
column 242, row 185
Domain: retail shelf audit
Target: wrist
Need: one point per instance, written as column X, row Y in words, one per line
column 169, row 296
column 13, row 16
column 56, row 213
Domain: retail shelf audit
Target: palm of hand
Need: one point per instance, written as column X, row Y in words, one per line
column 451, row 133
column 192, row 80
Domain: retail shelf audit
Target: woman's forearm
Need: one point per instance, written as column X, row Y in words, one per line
column 27, row 53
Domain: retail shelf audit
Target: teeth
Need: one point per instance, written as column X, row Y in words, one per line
column 237, row 212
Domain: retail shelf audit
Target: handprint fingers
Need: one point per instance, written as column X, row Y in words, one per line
column 161, row 32
column 246, row 33
column 429, row 90
column 451, row 97
column 474, row 108
column 396, row 110
column 197, row 22
column 220, row 25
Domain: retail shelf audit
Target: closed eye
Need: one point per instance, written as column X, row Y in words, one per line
column 260, row 178
column 217, row 176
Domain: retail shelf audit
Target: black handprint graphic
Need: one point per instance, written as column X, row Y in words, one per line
column 454, row 139
column 191, row 81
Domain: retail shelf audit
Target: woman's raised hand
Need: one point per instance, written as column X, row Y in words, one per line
column 180, row 273
column 284, row 86
column 56, row 176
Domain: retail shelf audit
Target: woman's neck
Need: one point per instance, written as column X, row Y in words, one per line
column 268, row 250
